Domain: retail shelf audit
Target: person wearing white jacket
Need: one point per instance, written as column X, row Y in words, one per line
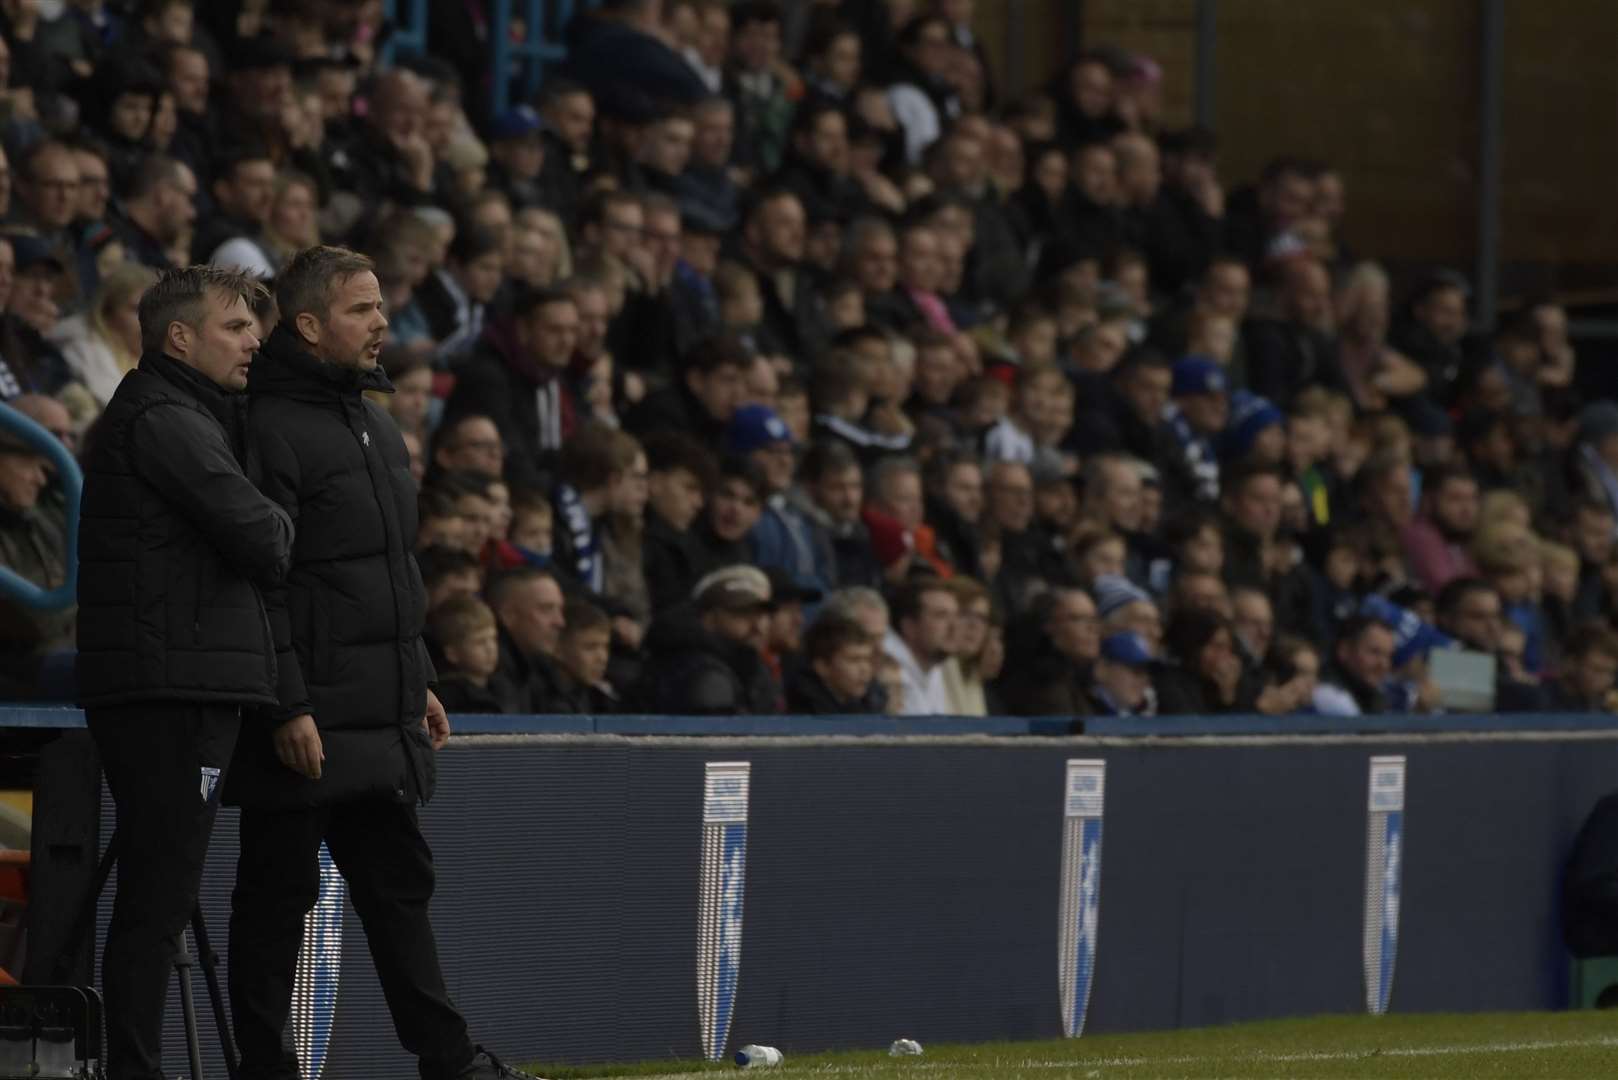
column 102, row 343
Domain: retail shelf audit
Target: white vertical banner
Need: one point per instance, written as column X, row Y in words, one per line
column 719, row 905
column 1084, row 797
column 1384, row 851
column 314, row 984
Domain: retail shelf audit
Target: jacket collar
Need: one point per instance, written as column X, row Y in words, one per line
column 213, row 397
column 286, row 368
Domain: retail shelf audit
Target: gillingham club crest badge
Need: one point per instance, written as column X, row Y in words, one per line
column 1081, row 889
column 719, row 907
column 314, row 986
column 1384, row 850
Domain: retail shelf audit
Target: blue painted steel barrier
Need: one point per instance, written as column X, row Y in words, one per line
column 13, row 584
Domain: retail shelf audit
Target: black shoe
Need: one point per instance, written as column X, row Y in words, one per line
column 485, row 1066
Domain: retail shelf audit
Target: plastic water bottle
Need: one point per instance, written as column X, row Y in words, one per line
column 758, row 1057
column 905, row 1048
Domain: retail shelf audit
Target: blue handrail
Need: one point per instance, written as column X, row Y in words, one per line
column 410, row 33
column 13, row 584
column 535, row 52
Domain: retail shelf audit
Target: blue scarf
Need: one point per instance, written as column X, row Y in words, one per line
column 587, row 562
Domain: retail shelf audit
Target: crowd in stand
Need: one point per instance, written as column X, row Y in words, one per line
column 774, row 359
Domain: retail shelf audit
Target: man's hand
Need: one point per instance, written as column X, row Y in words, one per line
column 436, row 722
column 297, row 744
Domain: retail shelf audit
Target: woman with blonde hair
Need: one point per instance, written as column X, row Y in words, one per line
column 1376, row 374
column 102, row 344
column 540, row 253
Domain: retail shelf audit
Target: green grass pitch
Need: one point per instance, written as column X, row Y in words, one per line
column 1521, row 1046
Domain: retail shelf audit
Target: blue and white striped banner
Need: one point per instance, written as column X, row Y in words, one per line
column 1384, row 849
column 719, row 905
column 320, row 958
column 1081, row 889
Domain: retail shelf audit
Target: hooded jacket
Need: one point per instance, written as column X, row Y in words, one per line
column 532, row 407
column 694, row 672
column 348, row 620
column 175, row 545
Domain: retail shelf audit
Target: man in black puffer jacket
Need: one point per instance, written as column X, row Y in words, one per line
column 706, row 658
column 174, row 545
column 349, row 749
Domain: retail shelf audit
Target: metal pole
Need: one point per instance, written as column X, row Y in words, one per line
column 1015, row 76
column 1207, row 38
column 1493, row 59
column 500, row 61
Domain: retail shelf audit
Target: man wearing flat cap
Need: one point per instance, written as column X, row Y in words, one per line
column 707, row 657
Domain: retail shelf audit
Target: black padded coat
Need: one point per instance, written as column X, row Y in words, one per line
column 348, row 621
column 175, row 544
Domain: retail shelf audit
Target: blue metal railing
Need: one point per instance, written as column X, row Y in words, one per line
column 409, row 32
column 533, row 53
column 13, row 584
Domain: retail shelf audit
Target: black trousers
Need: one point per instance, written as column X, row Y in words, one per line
column 379, row 848
column 164, row 764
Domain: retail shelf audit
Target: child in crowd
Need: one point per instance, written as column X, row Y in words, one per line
column 465, row 631
column 582, row 654
column 839, row 676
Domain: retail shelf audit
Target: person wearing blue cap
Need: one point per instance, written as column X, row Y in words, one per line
column 1194, row 418
column 517, row 156
column 1122, row 681
column 784, row 537
column 1256, row 432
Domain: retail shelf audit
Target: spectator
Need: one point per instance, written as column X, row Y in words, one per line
column 583, row 653
column 1361, row 664
column 1203, row 673
column 924, row 614
column 1435, row 542
column 158, row 208
column 784, row 537
column 527, row 603
column 680, row 475
column 706, row 659
column 1298, row 349
column 964, row 678
column 1050, row 652
column 465, row 631
column 456, row 299
column 1590, row 671
column 1121, row 680
column 33, row 544
column 702, row 402
column 515, row 377
column 756, row 85
column 835, row 490
column 839, row 676
column 102, row 345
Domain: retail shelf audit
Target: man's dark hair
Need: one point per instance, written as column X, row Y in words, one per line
column 1354, row 627
column 306, row 284
column 472, row 242
column 911, row 34
column 458, row 483
column 239, row 153
column 438, row 562
column 182, row 296
column 1454, row 594
column 152, row 172
column 433, row 503
column 763, row 198
column 745, row 13
column 25, row 163
column 1184, row 526
column 830, row 634
column 531, row 300
column 501, row 585
column 580, row 616
column 809, row 113
column 595, row 454
column 671, row 451
column 837, row 377
column 1239, row 476
column 1434, row 480
column 906, row 602
column 593, row 211
column 1587, row 505
column 714, row 352
column 827, row 458
column 745, row 469
column 1139, row 360
column 557, row 88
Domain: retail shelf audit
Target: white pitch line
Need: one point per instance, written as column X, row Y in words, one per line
column 1261, row 1056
